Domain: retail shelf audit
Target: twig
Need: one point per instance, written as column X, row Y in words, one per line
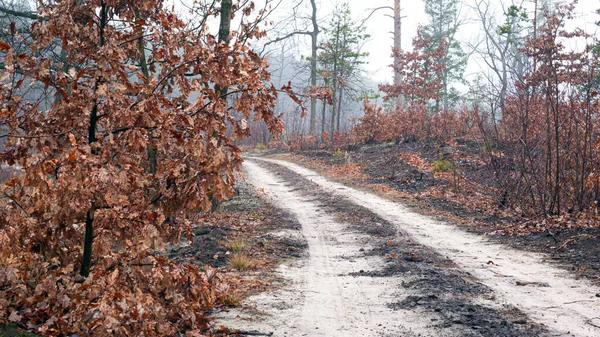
column 589, row 321
column 573, row 302
column 539, row 284
column 571, row 240
column 565, row 244
column 228, row 332
column 26, row 15
column 252, row 333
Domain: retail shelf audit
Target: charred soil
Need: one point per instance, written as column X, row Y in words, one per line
column 466, row 196
column 442, row 287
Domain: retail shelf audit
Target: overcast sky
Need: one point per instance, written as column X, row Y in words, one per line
column 380, row 26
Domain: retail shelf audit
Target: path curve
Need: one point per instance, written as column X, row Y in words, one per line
column 322, row 298
column 549, row 295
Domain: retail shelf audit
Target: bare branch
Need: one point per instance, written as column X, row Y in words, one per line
column 27, row 15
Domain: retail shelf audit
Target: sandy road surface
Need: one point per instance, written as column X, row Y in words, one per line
column 323, row 296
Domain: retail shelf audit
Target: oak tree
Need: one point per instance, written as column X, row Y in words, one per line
column 121, row 147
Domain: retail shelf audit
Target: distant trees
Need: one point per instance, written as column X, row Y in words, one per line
column 334, row 64
column 340, row 58
column 444, row 22
column 501, row 51
column 540, row 128
column 421, row 115
column 314, row 36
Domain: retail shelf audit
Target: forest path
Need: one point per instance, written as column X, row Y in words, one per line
column 431, row 280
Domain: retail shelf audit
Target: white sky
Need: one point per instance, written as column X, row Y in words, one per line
column 380, row 27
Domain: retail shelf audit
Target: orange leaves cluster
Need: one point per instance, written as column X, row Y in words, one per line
column 119, row 301
column 416, row 110
column 550, row 123
column 415, row 160
column 421, row 70
column 413, row 120
column 372, row 126
column 113, row 148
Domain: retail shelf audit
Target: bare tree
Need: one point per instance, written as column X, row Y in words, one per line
column 397, row 46
column 500, row 50
column 314, row 35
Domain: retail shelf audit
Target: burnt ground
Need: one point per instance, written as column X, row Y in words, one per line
column 246, row 217
column 249, row 219
column 574, row 249
column 442, row 287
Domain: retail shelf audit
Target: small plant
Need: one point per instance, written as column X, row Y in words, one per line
column 230, row 300
column 236, row 245
column 443, row 165
column 261, row 146
column 347, row 158
column 11, row 330
column 488, row 146
column 240, row 261
column 338, row 152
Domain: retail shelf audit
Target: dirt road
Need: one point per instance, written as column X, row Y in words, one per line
column 375, row 268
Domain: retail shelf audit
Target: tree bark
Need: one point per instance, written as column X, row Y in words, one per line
column 152, row 151
column 225, row 24
column 88, row 239
column 313, row 65
column 333, row 112
column 323, row 113
column 224, row 31
column 397, row 49
column 339, row 108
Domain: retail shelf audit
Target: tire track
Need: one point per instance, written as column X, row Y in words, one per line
column 323, row 297
column 547, row 294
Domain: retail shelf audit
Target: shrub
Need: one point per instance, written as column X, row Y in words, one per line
column 241, row 261
column 443, row 165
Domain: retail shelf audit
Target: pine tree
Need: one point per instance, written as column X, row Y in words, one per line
column 443, row 24
column 341, row 57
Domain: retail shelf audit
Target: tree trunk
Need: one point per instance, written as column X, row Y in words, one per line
column 225, row 24
column 323, row 113
column 224, row 31
column 535, row 14
column 88, row 239
column 152, row 151
column 333, row 110
column 397, row 49
column 339, row 107
column 313, row 65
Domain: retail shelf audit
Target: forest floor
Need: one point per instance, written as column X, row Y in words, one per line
column 245, row 238
column 390, row 257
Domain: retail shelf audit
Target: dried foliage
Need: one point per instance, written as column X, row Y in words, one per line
column 544, row 150
column 118, row 155
column 417, row 112
column 372, row 126
column 550, row 125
